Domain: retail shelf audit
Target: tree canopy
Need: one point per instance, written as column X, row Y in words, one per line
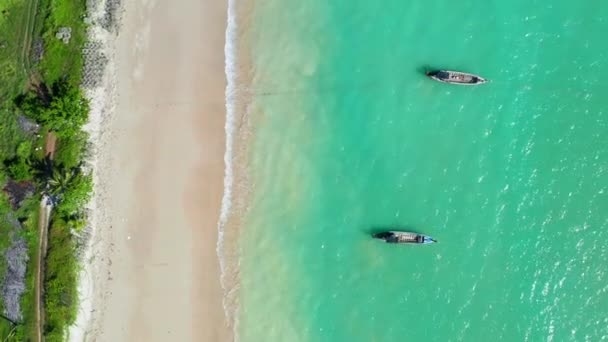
column 66, row 112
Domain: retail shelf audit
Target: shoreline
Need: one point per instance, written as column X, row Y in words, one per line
column 129, row 271
column 239, row 73
column 95, row 253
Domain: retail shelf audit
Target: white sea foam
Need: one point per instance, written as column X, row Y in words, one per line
column 231, row 71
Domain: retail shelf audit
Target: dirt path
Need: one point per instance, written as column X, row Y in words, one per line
column 49, row 145
column 43, row 227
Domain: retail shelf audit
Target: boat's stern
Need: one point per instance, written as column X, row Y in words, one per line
column 382, row 235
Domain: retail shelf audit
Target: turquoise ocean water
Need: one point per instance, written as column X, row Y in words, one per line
column 510, row 177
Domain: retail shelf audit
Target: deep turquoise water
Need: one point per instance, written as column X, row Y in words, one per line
column 510, row 177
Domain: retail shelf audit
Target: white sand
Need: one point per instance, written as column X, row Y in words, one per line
column 152, row 272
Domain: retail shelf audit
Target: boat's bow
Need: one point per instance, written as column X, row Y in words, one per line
column 428, row 240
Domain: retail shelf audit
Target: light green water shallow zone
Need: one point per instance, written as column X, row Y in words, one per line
column 510, row 177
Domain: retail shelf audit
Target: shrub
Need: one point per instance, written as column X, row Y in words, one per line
column 66, row 113
column 74, row 194
column 61, row 277
column 69, row 150
column 19, row 169
column 24, row 149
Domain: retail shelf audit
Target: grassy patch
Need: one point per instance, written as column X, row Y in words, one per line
column 61, row 292
column 10, row 135
column 8, row 332
column 62, row 61
column 13, row 27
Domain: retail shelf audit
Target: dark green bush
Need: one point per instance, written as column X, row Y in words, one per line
column 69, row 150
column 66, row 112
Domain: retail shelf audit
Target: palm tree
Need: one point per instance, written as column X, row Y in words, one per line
column 59, row 181
column 43, row 168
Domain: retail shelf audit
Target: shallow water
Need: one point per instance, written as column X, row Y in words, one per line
column 510, row 177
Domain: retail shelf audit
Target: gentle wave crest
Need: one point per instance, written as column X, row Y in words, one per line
column 231, row 71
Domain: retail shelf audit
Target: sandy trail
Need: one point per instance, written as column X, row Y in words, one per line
column 43, row 227
column 44, row 216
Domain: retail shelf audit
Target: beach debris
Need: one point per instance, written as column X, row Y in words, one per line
column 17, row 192
column 82, row 238
column 64, row 34
column 13, row 285
column 37, row 50
column 95, row 61
column 104, row 16
column 27, row 125
column 111, row 15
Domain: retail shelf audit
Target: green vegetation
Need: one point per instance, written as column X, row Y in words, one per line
column 14, row 143
column 28, row 215
column 13, row 26
column 70, row 151
column 61, row 296
column 63, row 111
column 10, row 134
column 19, row 167
column 6, row 327
column 62, row 61
column 39, row 79
column 66, row 112
column 74, row 190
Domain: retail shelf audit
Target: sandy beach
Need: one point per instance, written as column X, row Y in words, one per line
column 155, row 273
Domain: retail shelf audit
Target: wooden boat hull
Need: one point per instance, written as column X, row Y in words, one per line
column 456, row 77
column 403, row 238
